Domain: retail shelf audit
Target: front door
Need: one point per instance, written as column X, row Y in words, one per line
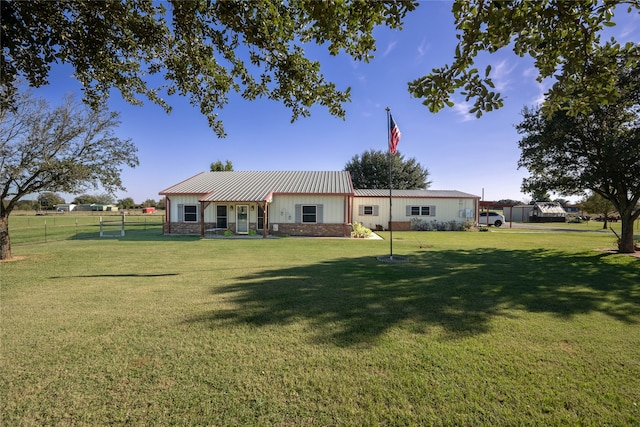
column 242, row 219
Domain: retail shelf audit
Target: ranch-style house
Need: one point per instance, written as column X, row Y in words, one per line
column 301, row 203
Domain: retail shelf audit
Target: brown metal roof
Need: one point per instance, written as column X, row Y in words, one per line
column 442, row 194
column 256, row 186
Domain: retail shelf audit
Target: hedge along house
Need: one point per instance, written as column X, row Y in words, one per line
column 371, row 208
column 295, row 203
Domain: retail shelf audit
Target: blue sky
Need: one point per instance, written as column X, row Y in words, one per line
column 477, row 156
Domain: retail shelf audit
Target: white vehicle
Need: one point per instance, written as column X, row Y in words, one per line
column 494, row 218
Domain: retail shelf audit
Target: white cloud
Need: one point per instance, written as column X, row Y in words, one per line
column 462, row 109
column 423, row 47
column 500, row 74
column 390, row 47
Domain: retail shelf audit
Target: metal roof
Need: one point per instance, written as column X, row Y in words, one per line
column 257, row 186
column 549, row 208
column 432, row 194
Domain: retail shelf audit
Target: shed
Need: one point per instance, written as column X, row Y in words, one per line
column 548, row 212
column 537, row 212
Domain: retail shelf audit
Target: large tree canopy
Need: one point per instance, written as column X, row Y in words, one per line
column 67, row 149
column 202, row 49
column 598, row 151
column 207, row 49
column 371, row 171
column 562, row 37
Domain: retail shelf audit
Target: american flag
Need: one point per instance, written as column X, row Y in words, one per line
column 394, row 136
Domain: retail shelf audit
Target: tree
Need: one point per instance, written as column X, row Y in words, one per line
column 562, row 202
column 597, row 151
column 563, row 38
column 219, row 167
column 47, row 200
column 67, row 149
column 149, row 203
column 126, row 203
column 540, row 196
column 596, row 204
column 85, row 199
column 510, row 202
column 26, row 205
column 202, row 49
column 371, row 171
column 105, row 199
column 205, row 50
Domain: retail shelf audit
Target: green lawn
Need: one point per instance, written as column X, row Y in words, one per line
column 28, row 229
column 508, row 327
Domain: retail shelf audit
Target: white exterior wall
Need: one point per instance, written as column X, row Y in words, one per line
column 174, row 201
column 282, row 208
column 449, row 209
column 518, row 213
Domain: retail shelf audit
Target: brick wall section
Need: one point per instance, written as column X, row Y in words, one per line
column 185, row 227
column 401, row 225
column 314, row 230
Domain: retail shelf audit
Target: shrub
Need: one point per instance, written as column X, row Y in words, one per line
column 360, row 230
column 418, row 224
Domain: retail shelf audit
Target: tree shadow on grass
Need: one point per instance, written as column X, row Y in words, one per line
column 353, row 301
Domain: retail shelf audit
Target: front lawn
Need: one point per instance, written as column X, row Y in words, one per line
column 499, row 328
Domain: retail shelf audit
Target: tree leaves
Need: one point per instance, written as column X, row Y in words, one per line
column 204, row 50
column 66, row 148
column 563, row 38
column 597, row 151
column 370, row 170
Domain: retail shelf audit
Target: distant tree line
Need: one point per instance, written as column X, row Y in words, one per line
column 48, row 200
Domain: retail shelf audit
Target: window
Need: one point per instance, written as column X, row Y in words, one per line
column 309, row 213
column 421, row 210
column 368, row 210
column 221, row 216
column 190, row 213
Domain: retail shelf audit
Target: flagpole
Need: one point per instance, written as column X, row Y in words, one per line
column 390, row 194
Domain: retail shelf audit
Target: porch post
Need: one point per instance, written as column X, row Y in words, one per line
column 202, row 219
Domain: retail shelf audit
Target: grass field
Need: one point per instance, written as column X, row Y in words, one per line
column 28, row 229
column 509, row 327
